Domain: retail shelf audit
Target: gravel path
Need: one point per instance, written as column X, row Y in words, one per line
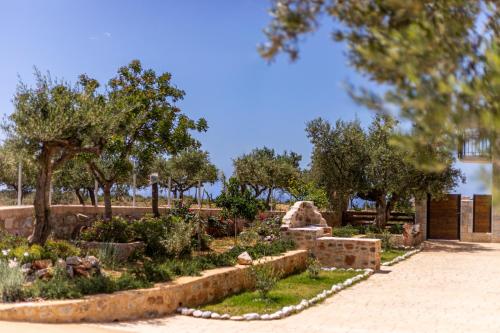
column 449, row 287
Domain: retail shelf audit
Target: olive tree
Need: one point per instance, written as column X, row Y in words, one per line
column 263, row 170
column 186, row 170
column 151, row 125
column 54, row 121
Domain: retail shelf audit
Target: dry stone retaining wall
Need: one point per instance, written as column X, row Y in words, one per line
column 161, row 300
column 64, row 218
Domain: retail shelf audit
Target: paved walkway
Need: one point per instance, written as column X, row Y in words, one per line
column 450, row 287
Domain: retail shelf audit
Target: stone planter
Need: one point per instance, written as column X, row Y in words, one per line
column 121, row 251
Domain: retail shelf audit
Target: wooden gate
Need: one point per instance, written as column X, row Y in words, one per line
column 443, row 217
column 482, row 213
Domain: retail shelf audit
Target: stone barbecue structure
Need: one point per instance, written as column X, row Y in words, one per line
column 304, row 225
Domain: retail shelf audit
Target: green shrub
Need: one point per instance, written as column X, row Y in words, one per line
column 346, row 231
column 157, row 272
column 107, row 255
column 8, row 241
column 116, row 230
column 313, row 267
column 24, row 253
column 396, row 228
column 386, row 239
column 217, row 228
column 265, row 277
column 54, row 249
column 129, row 281
column 11, row 282
column 248, row 237
column 60, row 286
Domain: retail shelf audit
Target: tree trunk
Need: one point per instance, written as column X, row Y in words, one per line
column 91, row 195
column 382, row 215
column 108, row 213
column 181, row 198
column 79, row 196
column 41, row 229
column 154, row 199
column 268, row 198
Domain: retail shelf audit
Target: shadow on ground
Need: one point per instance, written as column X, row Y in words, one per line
column 455, row 247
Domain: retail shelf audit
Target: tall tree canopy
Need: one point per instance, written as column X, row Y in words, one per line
column 151, row 125
column 350, row 162
column 76, row 177
column 439, row 60
column 186, row 169
column 54, row 121
column 263, row 170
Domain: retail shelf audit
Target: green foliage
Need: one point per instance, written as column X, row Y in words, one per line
column 396, row 228
column 313, row 267
column 437, row 60
column 237, row 201
column 54, row 249
column 25, row 253
column 116, row 230
column 345, row 231
column 303, row 190
column 263, row 170
column 248, row 237
column 10, row 156
column 217, row 227
column 60, row 286
column 186, row 169
column 11, row 282
column 265, row 277
column 386, row 238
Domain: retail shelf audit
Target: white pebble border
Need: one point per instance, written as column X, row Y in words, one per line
column 401, row 258
column 286, row 310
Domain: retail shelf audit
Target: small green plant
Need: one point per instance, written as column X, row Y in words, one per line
column 55, row 249
column 248, row 237
column 107, row 255
column 396, row 228
column 60, row 286
column 116, row 230
column 266, row 278
column 313, row 267
column 345, row 231
column 386, row 238
column 11, row 282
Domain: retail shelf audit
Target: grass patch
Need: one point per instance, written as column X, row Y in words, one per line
column 388, row 255
column 288, row 291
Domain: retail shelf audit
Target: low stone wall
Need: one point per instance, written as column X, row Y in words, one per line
column 161, row 300
column 305, row 238
column 348, row 252
column 64, row 219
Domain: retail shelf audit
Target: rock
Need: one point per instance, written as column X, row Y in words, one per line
column 43, row 273
column 26, row 268
column 215, row 315
column 187, row 312
column 13, row 263
column 206, row 314
column 74, row 261
column 236, row 318
column 71, row 271
column 251, row 316
column 274, row 316
column 197, row 313
column 347, row 282
column 225, row 316
column 299, row 308
column 279, row 313
column 42, row 264
column 244, row 259
column 93, row 261
column 265, row 317
column 81, row 271
column 61, row 263
column 180, row 309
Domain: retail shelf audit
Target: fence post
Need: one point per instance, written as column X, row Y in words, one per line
column 96, row 190
column 19, row 184
column 169, row 194
column 134, row 185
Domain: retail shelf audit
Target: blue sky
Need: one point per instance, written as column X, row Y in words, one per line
column 209, row 47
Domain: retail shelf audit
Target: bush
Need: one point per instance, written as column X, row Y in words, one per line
column 267, row 227
column 248, row 237
column 11, row 282
column 24, row 253
column 313, row 267
column 396, row 228
column 265, row 277
column 346, row 231
column 217, row 228
column 157, row 272
column 54, row 249
column 116, row 230
column 58, row 287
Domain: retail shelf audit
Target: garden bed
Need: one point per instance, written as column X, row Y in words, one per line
column 290, row 295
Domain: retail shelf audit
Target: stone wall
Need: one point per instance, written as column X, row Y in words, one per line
column 163, row 299
column 19, row 220
column 348, row 252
